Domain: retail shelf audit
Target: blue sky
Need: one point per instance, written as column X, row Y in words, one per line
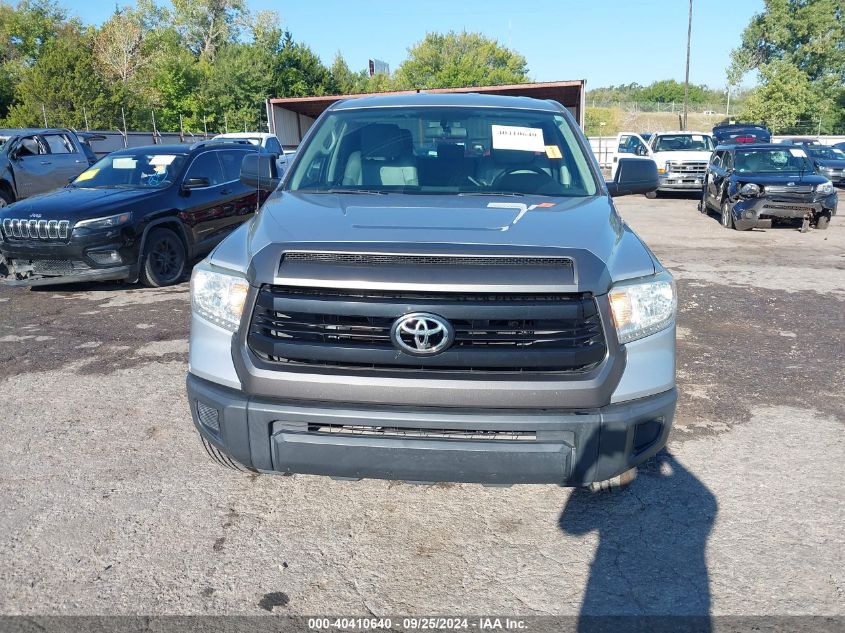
column 603, row 41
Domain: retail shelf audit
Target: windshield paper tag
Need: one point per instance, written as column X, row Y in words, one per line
column 523, row 139
column 798, row 153
column 88, row 174
column 553, row 151
column 123, row 162
column 162, row 159
column 697, row 137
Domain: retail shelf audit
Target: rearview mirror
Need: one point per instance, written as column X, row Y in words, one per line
column 195, row 183
column 633, row 175
column 260, row 171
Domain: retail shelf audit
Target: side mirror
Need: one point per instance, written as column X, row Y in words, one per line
column 195, row 183
column 633, row 175
column 260, row 171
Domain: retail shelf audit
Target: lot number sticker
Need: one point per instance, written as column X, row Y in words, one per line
column 798, row 153
column 524, row 139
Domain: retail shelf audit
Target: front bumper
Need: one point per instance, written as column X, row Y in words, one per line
column 680, row 182
column 570, row 447
column 47, row 262
column 753, row 212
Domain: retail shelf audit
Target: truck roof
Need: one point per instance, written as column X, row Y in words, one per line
column 682, row 132
column 471, row 99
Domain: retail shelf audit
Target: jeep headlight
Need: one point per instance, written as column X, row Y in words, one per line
column 644, row 306
column 104, row 223
column 826, row 188
column 218, row 295
column 750, row 190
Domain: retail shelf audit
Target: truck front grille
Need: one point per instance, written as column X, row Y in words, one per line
column 388, row 259
column 803, row 189
column 682, row 167
column 36, row 229
column 423, row 433
column 293, row 327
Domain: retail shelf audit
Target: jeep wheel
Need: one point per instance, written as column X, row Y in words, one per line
column 823, row 222
column 651, row 195
column 5, row 198
column 164, row 259
column 727, row 215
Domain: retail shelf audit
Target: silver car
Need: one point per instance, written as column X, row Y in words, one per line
column 439, row 289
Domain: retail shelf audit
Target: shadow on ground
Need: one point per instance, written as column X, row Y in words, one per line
column 650, row 559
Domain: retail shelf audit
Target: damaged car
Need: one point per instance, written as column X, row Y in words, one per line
column 752, row 186
column 139, row 214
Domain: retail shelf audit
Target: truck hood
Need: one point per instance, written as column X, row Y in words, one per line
column 588, row 230
column 661, row 157
column 834, row 163
column 76, row 203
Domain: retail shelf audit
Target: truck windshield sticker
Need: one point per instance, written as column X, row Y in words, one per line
column 697, row 137
column 162, row 159
column 553, row 151
column 523, row 139
column 124, row 162
column 798, row 153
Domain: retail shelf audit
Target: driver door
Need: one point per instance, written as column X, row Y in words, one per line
column 629, row 144
column 32, row 166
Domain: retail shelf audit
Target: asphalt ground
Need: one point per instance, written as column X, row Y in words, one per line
column 110, row 505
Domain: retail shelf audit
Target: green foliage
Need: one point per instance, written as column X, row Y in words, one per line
column 797, row 47
column 298, row 72
column 664, row 91
column 594, row 117
column 456, row 60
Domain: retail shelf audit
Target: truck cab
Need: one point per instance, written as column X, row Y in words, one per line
column 681, row 157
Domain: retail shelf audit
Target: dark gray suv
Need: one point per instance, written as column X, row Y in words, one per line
column 34, row 161
column 440, row 289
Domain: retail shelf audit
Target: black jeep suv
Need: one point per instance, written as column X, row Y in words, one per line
column 753, row 185
column 138, row 214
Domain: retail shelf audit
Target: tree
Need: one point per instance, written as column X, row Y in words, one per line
column 205, row 25
column 298, row 72
column 783, row 99
column 237, row 84
column 456, row 60
column 344, row 81
column 118, row 47
column 801, row 41
column 669, row 90
column 61, row 82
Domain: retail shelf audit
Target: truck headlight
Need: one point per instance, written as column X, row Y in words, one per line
column 218, row 295
column 826, row 188
column 750, row 189
column 104, row 223
column 642, row 307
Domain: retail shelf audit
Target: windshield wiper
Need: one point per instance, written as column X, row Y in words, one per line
column 512, row 194
column 371, row 191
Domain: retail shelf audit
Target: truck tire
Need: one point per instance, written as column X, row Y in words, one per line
column 727, row 216
column 823, row 222
column 5, row 198
column 651, row 195
column 221, row 459
column 164, row 259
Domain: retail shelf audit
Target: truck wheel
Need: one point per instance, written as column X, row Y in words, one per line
column 727, row 216
column 164, row 259
column 5, row 198
column 614, row 483
column 823, row 222
column 651, row 195
column 221, row 459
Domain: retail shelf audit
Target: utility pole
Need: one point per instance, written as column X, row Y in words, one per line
column 44, row 113
column 125, row 132
column 686, row 78
column 85, row 114
column 155, row 132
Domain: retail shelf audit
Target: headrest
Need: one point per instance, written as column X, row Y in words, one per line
column 384, row 141
column 512, row 157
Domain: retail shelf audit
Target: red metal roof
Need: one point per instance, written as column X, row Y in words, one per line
column 568, row 93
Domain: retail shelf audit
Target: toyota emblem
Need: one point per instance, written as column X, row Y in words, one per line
column 422, row 334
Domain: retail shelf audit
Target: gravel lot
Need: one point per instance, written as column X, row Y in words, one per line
column 110, row 505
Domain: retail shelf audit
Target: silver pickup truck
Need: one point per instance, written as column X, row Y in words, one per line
column 439, row 289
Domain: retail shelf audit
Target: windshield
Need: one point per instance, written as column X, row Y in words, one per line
column 434, row 150
column 828, row 153
column 3, row 141
column 764, row 161
column 144, row 170
column 683, row 143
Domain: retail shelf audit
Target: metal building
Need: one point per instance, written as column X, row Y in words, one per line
column 289, row 118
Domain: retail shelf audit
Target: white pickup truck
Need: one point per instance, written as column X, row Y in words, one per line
column 681, row 157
